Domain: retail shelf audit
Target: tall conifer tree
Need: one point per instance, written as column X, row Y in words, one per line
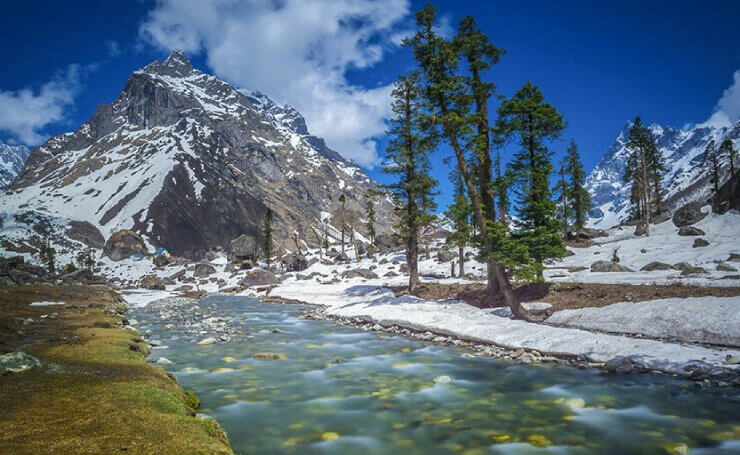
column 562, row 195
column 727, row 149
column 644, row 168
column 712, row 158
column 407, row 157
column 459, row 214
column 578, row 195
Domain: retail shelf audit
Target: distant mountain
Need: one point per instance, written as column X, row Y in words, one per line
column 191, row 162
column 12, row 158
column 687, row 178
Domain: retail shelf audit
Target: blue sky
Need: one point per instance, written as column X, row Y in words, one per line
column 598, row 63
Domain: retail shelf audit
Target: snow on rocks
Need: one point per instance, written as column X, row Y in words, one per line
column 712, row 320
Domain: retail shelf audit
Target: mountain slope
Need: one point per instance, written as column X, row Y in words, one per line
column 12, row 158
column 191, row 162
column 687, row 178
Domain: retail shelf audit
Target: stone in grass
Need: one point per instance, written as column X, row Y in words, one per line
column 17, row 362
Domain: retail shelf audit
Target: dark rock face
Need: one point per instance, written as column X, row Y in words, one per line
column 190, row 163
column 122, row 244
column 294, row 262
column 16, row 271
column 609, row 266
column 690, row 230
column 688, row 214
column 728, row 196
column 655, row 265
column 86, row 233
column 341, row 257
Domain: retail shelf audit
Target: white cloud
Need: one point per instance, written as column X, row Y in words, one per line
column 299, row 52
column 727, row 110
column 114, row 49
column 23, row 113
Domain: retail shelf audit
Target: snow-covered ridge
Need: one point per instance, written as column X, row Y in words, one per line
column 12, row 158
column 686, row 180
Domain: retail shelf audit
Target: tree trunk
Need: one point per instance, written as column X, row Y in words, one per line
column 412, row 259
column 461, row 254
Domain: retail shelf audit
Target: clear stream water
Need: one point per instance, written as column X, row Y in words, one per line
column 341, row 390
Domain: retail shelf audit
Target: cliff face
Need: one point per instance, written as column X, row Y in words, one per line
column 190, row 162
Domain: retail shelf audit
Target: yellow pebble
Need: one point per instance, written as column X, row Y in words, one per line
column 222, row 370
column 538, row 440
column 501, row 438
column 229, row 359
column 677, row 448
column 329, row 436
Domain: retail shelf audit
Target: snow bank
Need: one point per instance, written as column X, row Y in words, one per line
column 714, row 320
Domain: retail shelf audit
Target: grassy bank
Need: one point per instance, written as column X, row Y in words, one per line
column 95, row 392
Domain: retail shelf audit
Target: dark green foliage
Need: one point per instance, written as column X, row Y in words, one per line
column 578, row 196
column 712, row 159
column 267, row 234
column 407, row 158
column 85, row 260
column 562, row 196
column 727, row 150
column 370, row 216
column 535, row 123
column 47, row 253
column 644, row 171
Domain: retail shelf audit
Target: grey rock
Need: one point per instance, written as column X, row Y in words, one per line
column 640, row 229
column 698, row 243
column 620, row 365
column 725, row 267
column 152, row 282
column 609, row 266
column 122, row 244
column 689, row 230
column 360, row 273
column 202, row 270
column 17, row 362
column 87, row 233
column 294, row 262
column 656, row 265
column 445, row 255
column 688, row 269
column 259, row 277
column 688, row 214
column 245, row 247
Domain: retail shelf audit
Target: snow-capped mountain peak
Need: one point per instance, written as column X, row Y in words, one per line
column 12, row 158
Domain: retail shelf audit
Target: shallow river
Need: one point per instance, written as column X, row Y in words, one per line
column 341, row 390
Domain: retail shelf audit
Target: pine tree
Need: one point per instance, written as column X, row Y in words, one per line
column 48, row 255
column 370, row 215
column 459, row 214
column 449, row 98
column 267, row 233
column 341, row 213
column 644, row 168
column 535, row 122
column 579, row 198
column 727, row 149
column 407, row 158
column 562, row 195
column 712, row 158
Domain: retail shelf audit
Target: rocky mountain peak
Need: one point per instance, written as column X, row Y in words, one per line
column 176, row 65
column 12, row 158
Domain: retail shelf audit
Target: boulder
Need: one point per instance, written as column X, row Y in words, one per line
column 87, row 233
column 690, row 230
column 152, row 282
column 184, row 288
column 698, row 243
column 177, row 275
column 341, row 257
column 17, row 362
column 609, row 266
column 161, row 260
column 688, row 269
column 203, row 269
column 259, row 277
column 404, row 268
column 385, row 243
column 78, row 276
column 728, row 196
column 122, row 244
column 620, row 365
column 360, row 273
column 724, row 267
column 15, row 270
column 245, row 247
column 294, row 262
column 655, row 265
column 688, row 214
column 734, row 257
column 445, row 255
column 640, row 229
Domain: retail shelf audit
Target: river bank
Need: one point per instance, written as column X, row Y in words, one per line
column 85, row 385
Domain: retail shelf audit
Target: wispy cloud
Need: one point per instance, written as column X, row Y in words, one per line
column 298, row 52
column 114, row 48
column 727, row 110
column 24, row 113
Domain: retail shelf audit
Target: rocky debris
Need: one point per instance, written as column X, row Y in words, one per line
column 245, row 247
column 656, row 265
column 688, row 269
column 87, row 233
column 162, row 260
column 688, row 214
column 294, row 262
column 359, row 273
column 152, row 282
column 725, row 267
column 259, row 277
column 17, row 362
column 78, row 276
column 609, row 266
column 123, row 244
column 341, row 257
column 445, row 255
column 690, row 230
column 640, row 229
column 202, row 270
column 621, row 365
column 177, row 275
column 404, row 268
column 698, row 243
column 15, row 270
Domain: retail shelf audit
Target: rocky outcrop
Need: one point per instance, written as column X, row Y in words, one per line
column 609, row 266
column 688, row 269
column 725, row 267
column 152, row 282
column 259, row 277
column 245, row 247
column 688, row 214
column 87, row 233
column 202, row 270
column 655, row 265
column 123, row 244
column 728, row 196
column 294, row 262
column 16, row 271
